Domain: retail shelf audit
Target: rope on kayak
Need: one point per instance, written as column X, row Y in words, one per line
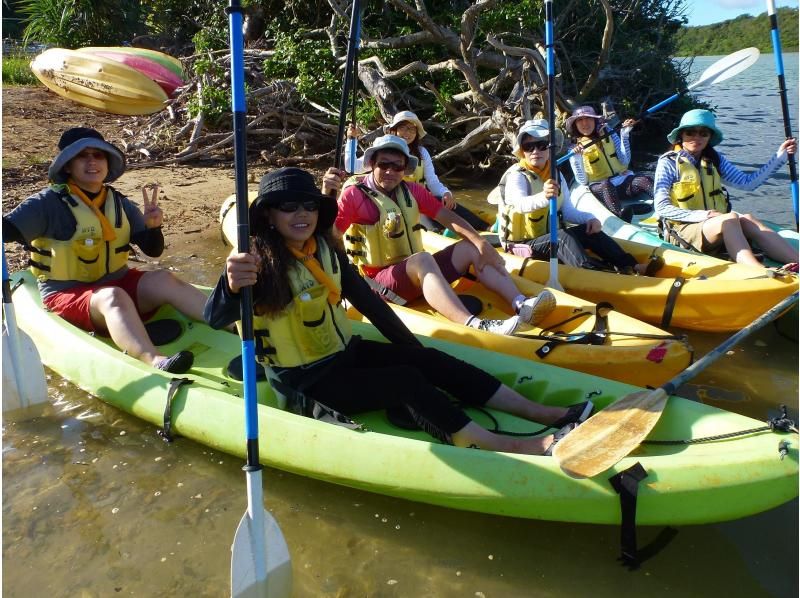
column 781, row 423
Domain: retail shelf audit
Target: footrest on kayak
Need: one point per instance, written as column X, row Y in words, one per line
column 163, row 331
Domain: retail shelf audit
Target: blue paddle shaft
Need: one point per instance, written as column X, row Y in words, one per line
column 239, row 104
column 548, row 40
column 348, row 77
column 777, row 51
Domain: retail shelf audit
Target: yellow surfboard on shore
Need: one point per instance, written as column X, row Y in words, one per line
column 98, row 83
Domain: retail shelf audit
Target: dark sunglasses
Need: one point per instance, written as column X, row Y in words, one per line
column 697, row 132
column 391, row 166
column 529, row 146
column 309, row 205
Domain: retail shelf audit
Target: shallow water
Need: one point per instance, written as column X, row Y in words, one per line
column 95, row 504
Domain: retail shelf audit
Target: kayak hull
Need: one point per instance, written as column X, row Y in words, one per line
column 700, row 483
column 711, row 294
column 97, row 82
column 164, row 77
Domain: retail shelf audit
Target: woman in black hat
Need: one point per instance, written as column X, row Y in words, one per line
column 300, row 276
column 79, row 231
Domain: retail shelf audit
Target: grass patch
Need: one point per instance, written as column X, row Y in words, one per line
column 17, row 70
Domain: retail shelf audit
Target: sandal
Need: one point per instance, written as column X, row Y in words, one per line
column 558, row 436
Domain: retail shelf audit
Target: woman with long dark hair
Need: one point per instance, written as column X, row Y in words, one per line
column 300, row 276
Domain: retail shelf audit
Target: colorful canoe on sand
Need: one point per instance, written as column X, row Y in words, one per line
column 98, row 82
column 687, row 483
column 692, row 291
column 577, row 335
column 170, row 62
column 149, row 67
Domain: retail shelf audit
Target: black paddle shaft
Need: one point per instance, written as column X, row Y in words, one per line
column 348, row 79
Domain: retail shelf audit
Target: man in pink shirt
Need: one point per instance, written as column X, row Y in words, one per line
column 379, row 219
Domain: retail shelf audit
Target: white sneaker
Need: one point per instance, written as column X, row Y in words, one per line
column 505, row 327
column 535, row 309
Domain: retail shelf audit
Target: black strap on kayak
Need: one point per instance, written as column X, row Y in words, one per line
column 672, row 298
column 597, row 336
column 174, row 385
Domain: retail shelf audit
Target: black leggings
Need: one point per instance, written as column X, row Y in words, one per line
column 372, row 375
column 613, row 195
column 572, row 245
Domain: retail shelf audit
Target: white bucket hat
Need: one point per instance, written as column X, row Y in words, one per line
column 405, row 116
column 538, row 128
column 391, row 142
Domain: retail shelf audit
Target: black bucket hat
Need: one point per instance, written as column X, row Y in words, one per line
column 291, row 184
column 73, row 141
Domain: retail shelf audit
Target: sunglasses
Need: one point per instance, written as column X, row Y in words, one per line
column 696, row 132
column 391, row 166
column 529, row 146
column 309, row 205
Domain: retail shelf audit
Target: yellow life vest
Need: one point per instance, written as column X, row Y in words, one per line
column 309, row 328
column 418, row 176
column 522, row 226
column 84, row 257
column 697, row 189
column 600, row 160
column 394, row 237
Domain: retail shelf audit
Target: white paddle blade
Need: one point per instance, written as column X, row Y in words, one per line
column 727, row 67
column 269, row 576
column 610, row 434
column 24, row 382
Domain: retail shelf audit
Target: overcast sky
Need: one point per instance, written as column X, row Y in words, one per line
column 704, row 12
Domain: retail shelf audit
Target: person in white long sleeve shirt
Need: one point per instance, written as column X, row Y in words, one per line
column 602, row 158
column 408, row 127
column 523, row 198
column 692, row 205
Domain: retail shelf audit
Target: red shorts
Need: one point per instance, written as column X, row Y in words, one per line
column 73, row 304
column 396, row 279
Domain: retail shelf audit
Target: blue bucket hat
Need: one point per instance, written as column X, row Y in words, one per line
column 73, row 141
column 697, row 118
column 391, row 142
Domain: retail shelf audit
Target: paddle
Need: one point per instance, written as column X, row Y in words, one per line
column 354, row 68
column 722, row 69
column 349, row 67
column 24, row 383
column 787, row 121
column 614, row 432
column 260, row 562
column 552, row 282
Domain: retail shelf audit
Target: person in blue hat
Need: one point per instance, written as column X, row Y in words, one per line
column 79, row 231
column 693, row 206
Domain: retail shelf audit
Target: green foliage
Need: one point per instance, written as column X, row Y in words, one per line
column 309, row 63
column 77, row 23
column 741, row 32
column 17, row 70
column 214, row 100
column 367, row 112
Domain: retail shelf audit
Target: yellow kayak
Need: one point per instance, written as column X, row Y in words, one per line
column 577, row 335
column 613, row 345
column 692, row 291
column 97, row 82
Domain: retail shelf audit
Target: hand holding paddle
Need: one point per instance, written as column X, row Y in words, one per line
column 260, row 562
column 722, row 69
column 612, row 433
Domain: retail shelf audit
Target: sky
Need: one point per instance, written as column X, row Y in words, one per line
column 705, row 12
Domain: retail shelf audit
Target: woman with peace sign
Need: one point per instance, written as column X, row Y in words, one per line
column 79, row 231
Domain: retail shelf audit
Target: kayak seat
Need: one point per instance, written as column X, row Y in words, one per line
column 472, row 304
column 162, row 332
column 234, row 370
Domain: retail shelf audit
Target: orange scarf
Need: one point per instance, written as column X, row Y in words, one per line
column 95, row 204
column 543, row 173
column 306, row 257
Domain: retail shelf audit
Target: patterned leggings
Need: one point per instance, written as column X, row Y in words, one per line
column 612, row 195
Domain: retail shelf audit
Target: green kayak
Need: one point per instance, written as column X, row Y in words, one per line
column 700, row 483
